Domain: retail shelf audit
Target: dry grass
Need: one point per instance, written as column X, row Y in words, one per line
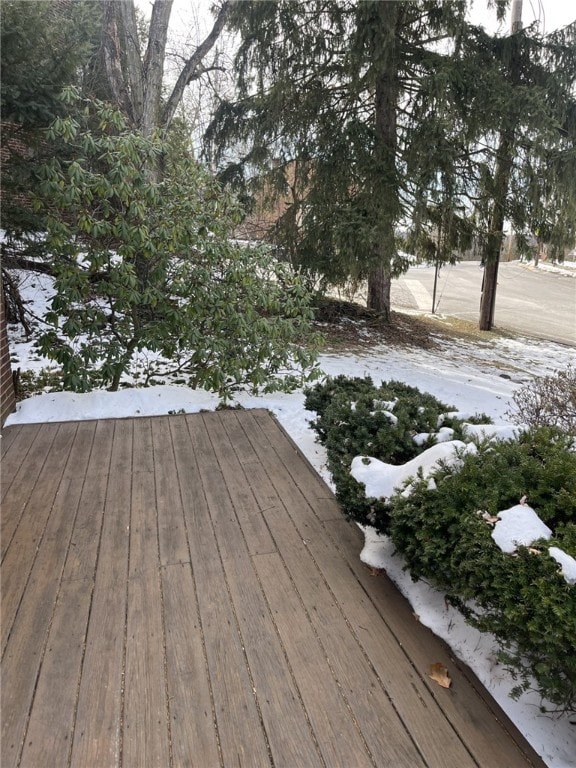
column 346, row 324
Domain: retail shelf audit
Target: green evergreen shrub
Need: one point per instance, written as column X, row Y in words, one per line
column 356, row 417
column 523, row 599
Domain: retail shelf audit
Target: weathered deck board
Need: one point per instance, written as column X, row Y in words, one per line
column 183, row 591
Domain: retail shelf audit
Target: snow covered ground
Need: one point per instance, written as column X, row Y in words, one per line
column 479, row 376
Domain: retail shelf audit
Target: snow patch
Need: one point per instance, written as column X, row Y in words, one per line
column 493, row 431
column 382, row 479
column 567, row 563
column 519, row 526
column 443, row 435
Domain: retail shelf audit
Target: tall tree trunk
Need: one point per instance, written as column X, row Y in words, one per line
column 379, row 285
column 491, row 255
column 387, row 95
column 135, row 75
column 111, row 49
column 154, row 66
column 136, row 81
column 502, row 173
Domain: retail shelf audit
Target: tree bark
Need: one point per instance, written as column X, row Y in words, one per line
column 386, row 104
column 491, row 256
column 502, row 174
column 379, row 285
column 111, row 48
column 136, row 82
column 134, row 70
column 154, row 66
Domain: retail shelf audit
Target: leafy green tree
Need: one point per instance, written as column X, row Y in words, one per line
column 142, row 264
column 377, row 117
column 45, row 46
column 334, row 93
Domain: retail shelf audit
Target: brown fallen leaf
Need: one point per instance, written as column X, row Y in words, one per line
column 439, row 673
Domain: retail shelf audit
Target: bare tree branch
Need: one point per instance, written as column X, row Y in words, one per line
column 136, row 82
column 193, row 68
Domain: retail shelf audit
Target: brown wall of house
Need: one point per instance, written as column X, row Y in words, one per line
column 7, row 396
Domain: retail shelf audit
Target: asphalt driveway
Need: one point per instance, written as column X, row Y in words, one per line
column 535, row 302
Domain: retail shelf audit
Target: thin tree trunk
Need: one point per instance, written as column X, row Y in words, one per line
column 491, row 255
column 504, row 164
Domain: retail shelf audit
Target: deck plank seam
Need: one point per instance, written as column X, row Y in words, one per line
column 61, row 582
column 307, row 612
column 6, row 545
column 252, row 557
column 161, row 588
column 22, row 457
column 199, row 617
column 43, row 532
column 72, row 527
column 143, row 577
column 234, row 610
column 330, row 537
column 8, row 444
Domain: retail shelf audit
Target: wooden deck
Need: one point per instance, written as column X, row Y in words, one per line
column 183, row 591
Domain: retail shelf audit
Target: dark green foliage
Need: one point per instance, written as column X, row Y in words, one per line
column 355, row 417
column 362, row 117
column 320, row 396
column 45, row 46
column 148, row 264
column 539, row 466
column 522, row 599
column 323, row 89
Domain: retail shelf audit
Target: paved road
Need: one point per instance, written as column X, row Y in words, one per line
column 531, row 301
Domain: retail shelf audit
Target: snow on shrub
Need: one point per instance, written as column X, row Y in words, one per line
column 505, row 579
column 440, row 501
column 354, row 418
